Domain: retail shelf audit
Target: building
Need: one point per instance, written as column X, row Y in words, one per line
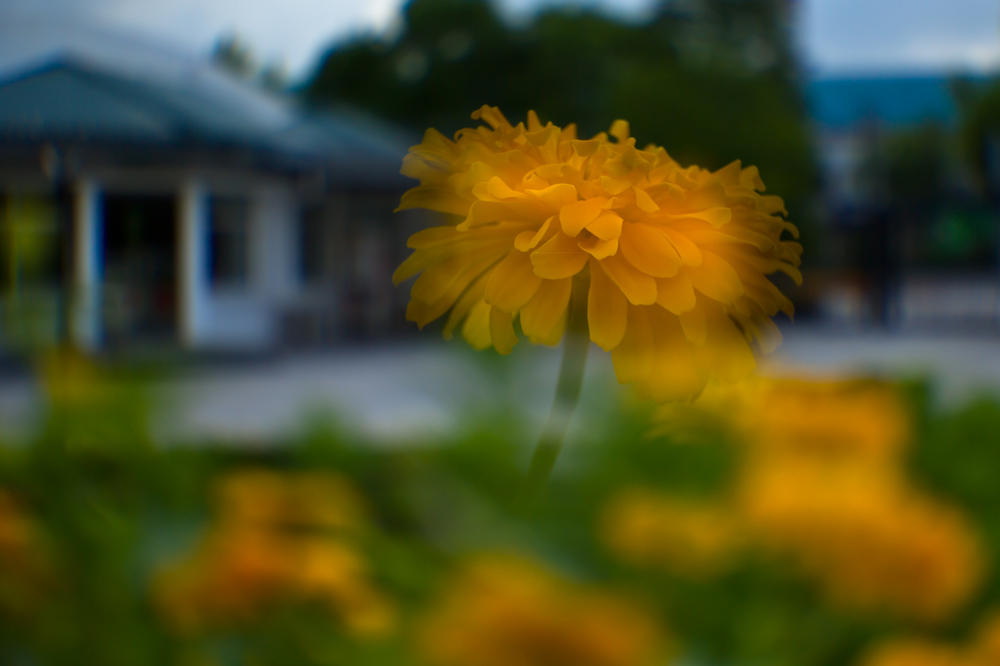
column 908, row 239
column 150, row 198
column 851, row 114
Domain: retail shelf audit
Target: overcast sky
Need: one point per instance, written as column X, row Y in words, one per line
column 835, row 35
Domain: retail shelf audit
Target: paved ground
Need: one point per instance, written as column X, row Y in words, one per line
column 959, row 366
column 425, row 388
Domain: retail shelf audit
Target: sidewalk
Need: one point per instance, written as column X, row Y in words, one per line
column 959, row 366
column 425, row 389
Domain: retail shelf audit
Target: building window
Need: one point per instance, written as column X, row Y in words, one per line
column 229, row 221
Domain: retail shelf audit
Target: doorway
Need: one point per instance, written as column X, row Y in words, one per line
column 140, row 270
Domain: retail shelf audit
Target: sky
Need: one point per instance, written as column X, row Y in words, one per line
column 835, row 36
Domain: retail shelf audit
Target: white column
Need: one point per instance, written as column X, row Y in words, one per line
column 88, row 258
column 192, row 263
column 273, row 251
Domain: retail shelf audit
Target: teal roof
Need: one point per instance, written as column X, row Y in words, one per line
column 893, row 101
column 67, row 100
column 91, row 88
column 353, row 142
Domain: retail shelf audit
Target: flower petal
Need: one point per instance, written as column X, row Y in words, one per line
column 607, row 309
column 559, row 257
column 476, row 329
column 575, row 216
column 556, row 196
column 693, row 323
column 435, row 282
column 645, row 202
column 716, row 278
column 501, row 190
column 513, row 282
column 434, row 198
column 614, row 186
column 725, row 353
column 638, row 287
column 472, row 295
column 633, row 357
column 619, row 129
column 491, row 115
column 606, row 226
column 422, row 310
column 650, row 250
column 542, row 313
column 528, row 240
column 502, row 331
column 717, row 216
column 534, row 124
column 675, row 374
column 675, row 294
column 597, row 248
column 555, row 335
column 485, row 212
column 686, row 248
column 431, row 236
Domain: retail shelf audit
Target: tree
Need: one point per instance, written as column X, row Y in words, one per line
column 232, row 54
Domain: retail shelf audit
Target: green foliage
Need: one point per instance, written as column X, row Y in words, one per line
column 916, row 164
column 112, row 509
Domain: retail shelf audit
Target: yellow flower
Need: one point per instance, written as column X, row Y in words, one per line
column 676, row 257
column 501, row 611
column 837, row 421
column 277, row 538
column 822, row 481
column 73, row 380
column 312, row 499
column 983, row 650
column 27, row 572
column 915, row 652
column 869, row 540
column 647, row 528
column 857, row 421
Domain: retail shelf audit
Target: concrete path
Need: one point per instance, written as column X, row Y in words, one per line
column 423, row 389
column 959, row 366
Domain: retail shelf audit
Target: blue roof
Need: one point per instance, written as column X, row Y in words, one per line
column 68, row 99
column 894, row 101
column 91, row 88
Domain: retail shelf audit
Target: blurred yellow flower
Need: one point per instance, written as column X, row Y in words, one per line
column 72, row 380
column 983, row 650
column 675, row 257
column 869, row 540
column 822, row 481
column 840, row 420
column 259, row 497
column 94, row 407
column 277, row 538
column 852, row 422
column 915, row 652
column 27, row 574
column 650, row 529
column 501, row 611
column 17, row 531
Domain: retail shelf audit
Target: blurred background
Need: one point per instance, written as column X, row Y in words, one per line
column 221, row 442
column 206, row 180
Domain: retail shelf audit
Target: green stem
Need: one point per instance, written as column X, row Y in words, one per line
column 574, row 361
